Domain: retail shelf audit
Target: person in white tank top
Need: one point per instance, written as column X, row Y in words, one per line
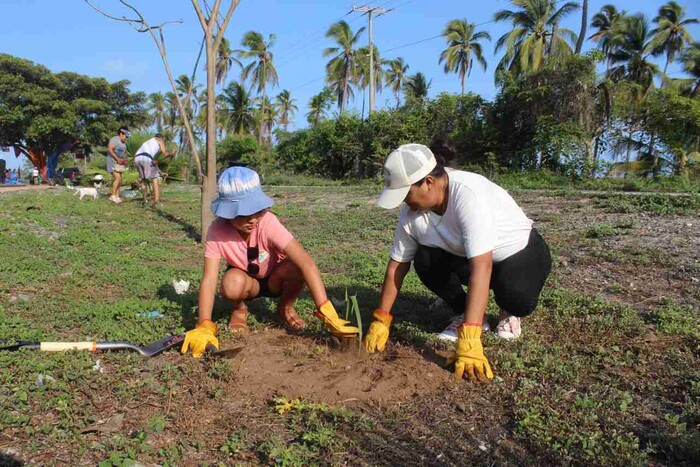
column 458, row 228
column 147, row 165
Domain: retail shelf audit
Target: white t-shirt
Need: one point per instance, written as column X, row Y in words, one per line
column 480, row 217
column 150, row 147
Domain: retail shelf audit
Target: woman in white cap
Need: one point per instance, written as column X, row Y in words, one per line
column 264, row 260
column 458, row 228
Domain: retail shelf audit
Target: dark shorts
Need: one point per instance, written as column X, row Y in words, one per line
column 516, row 281
column 264, row 286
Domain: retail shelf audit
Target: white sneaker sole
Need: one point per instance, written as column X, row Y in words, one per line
column 509, row 336
column 453, row 338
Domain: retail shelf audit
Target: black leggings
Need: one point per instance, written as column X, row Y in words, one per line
column 516, row 281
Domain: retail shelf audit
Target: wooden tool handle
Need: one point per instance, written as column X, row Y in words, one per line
column 59, row 346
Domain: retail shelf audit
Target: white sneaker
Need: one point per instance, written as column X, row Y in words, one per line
column 114, row 199
column 450, row 332
column 509, row 328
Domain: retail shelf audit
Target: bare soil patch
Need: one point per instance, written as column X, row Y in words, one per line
column 276, row 363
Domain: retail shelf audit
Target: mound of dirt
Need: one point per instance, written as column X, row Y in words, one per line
column 276, row 363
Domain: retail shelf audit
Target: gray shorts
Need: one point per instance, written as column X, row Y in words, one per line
column 147, row 171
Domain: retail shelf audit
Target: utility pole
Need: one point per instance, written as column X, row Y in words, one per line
column 370, row 11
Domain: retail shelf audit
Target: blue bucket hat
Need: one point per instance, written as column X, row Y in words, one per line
column 240, row 194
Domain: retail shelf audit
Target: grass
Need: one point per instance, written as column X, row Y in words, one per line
column 592, row 382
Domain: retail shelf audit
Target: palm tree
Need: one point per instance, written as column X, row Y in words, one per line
column 416, row 88
column 341, row 70
column 318, row 105
column 584, row 25
column 362, row 77
column 238, row 109
column 267, row 116
column 396, row 77
column 463, row 47
column 156, row 105
column 285, row 107
column 631, row 49
column 691, row 65
column 536, row 35
column 261, row 70
column 172, row 112
column 607, row 20
column 671, row 33
column 225, row 59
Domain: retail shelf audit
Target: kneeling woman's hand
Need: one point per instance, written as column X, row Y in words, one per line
column 469, row 354
column 338, row 327
column 378, row 332
column 198, row 338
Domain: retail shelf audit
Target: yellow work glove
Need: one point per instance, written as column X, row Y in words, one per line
column 469, row 355
column 197, row 339
column 378, row 333
column 338, row 327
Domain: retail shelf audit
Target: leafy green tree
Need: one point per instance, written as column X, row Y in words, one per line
column 237, row 109
column 234, row 148
column 535, row 37
column 341, row 70
column 286, row 107
column 396, row 77
column 41, row 111
column 463, row 46
column 671, row 33
column 225, row 60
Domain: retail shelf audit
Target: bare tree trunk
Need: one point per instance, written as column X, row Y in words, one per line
column 213, row 37
column 584, row 26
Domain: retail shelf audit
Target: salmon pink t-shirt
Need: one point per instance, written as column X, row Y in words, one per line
column 270, row 236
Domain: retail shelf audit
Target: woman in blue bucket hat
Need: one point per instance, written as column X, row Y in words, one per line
column 264, row 260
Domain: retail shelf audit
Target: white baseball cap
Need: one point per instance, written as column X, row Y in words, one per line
column 405, row 166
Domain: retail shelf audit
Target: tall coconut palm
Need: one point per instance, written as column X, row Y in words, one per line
column 379, row 63
column 171, row 111
column 261, row 70
column 584, row 26
column 536, row 35
column 463, row 47
column 607, row 20
column 341, row 70
column 417, row 87
column 238, row 109
column 691, row 65
column 225, row 59
column 156, row 105
column 319, row 105
column 671, row 34
column 396, row 77
column 286, row 107
column 631, row 51
column 267, row 117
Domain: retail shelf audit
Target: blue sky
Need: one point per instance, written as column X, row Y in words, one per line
column 69, row 35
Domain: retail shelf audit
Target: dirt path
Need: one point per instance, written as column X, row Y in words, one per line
column 4, row 189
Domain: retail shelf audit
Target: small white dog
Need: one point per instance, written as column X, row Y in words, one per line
column 87, row 191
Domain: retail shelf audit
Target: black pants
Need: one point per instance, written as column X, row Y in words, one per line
column 516, row 281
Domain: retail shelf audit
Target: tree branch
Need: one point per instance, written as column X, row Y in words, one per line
column 224, row 26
